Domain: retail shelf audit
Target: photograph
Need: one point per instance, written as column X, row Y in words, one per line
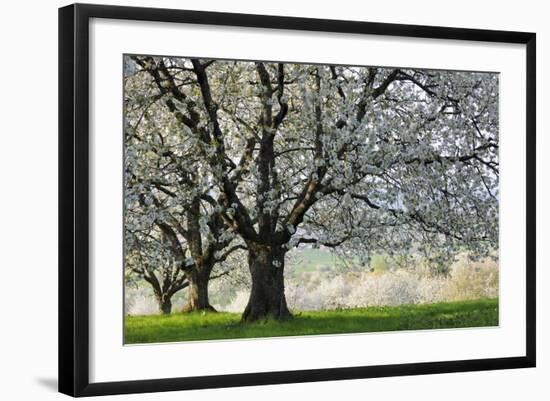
column 275, row 201
column 270, row 198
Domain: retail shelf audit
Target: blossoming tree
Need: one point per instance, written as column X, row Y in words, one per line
column 358, row 157
column 168, row 227
column 150, row 260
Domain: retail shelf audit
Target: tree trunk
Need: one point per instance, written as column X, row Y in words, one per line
column 267, row 297
column 198, row 293
column 165, row 304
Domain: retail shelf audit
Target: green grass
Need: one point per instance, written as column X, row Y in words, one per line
column 211, row 326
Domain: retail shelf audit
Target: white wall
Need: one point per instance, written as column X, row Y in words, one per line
column 28, row 199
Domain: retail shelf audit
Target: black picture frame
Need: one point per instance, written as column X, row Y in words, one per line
column 74, row 198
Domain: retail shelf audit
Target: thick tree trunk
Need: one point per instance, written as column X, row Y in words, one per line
column 198, row 293
column 165, row 304
column 267, row 297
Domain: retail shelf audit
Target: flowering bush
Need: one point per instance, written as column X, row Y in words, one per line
column 140, row 300
column 467, row 280
column 237, row 305
column 471, row 280
column 324, row 289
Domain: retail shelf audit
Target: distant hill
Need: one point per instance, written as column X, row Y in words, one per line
column 310, row 260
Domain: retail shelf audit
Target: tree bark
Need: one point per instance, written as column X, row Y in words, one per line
column 198, row 293
column 165, row 303
column 267, row 297
column 166, row 307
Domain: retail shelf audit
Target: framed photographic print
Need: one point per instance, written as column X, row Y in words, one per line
column 295, row 199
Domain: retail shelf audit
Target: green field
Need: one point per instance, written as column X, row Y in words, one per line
column 221, row 325
column 313, row 260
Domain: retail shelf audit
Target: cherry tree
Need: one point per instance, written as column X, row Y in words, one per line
column 165, row 193
column 359, row 158
column 149, row 259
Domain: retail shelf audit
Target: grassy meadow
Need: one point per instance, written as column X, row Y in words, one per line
column 224, row 325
